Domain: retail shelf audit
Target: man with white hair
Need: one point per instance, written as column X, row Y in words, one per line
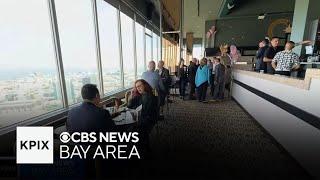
column 153, row 78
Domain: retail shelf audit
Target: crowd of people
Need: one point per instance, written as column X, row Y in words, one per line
column 200, row 75
column 152, row 91
column 271, row 60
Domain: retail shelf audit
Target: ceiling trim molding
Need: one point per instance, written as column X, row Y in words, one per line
column 222, row 5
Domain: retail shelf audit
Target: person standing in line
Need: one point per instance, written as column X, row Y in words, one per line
column 224, row 57
column 153, row 78
column 202, row 80
column 165, row 78
column 212, row 77
column 210, row 68
column 269, row 54
column 234, row 54
column 198, row 63
column 192, row 69
column 260, row 65
column 219, row 80
column 182, row 74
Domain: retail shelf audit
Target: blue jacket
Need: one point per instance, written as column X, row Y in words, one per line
column 202, row 75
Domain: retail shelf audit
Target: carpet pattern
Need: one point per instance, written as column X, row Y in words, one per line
column 216, row 141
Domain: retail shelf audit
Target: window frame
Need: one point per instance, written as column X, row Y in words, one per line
column 55, row 115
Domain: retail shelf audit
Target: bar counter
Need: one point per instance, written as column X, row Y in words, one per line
column 287, row 108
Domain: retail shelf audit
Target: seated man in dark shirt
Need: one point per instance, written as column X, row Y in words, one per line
column 89, row 116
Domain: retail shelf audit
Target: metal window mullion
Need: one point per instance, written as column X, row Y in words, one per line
column 181, row 30
column 144, row 47
column 135, row 47
column 152, row 45
column 57, row 51
column 120, row 48
column 160, row 27
column 98, row 48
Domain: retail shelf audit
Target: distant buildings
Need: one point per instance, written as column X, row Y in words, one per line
column 39, row 93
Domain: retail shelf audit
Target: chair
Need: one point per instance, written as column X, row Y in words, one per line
column 174, row 85
column 126, row 98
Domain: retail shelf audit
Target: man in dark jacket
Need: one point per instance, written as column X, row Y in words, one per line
column 260, row 65
column 269, row 54
column 219, row 80
column 89, row 116
column 165, row 78
column 192, row 69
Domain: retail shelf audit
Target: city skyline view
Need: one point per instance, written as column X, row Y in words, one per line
column 29, row 79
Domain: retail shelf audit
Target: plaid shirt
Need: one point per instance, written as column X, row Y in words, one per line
column 285, row 60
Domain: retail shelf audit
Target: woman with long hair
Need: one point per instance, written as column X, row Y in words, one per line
column 133, row 98
column 182, row 74
column 149, row 112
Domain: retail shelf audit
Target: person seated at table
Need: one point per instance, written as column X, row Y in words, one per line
column 90, row 115
column 133, row 100
column 148, row 113
column 117, row 103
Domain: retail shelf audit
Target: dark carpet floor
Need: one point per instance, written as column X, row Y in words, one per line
column 215, row 141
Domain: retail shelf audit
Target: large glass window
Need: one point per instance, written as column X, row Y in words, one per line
column 196, row 51
column 148, row 48
column 140, row 49
column 109, row 45
column 159, row 49
column 29, row 83
column 127, row 49
column 77, row 38
column 155, row 47
column 169, row 51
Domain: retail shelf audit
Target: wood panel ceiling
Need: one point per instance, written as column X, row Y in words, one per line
column 173, row 8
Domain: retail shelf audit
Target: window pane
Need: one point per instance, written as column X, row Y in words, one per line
column 148, row 31
column 140, row 49
column 159, row 53
column 127, row 49
column 109, row 44
column 148, row 48
column 28, row 76
column 196, row 51
column 77, row 38
column 154, row 48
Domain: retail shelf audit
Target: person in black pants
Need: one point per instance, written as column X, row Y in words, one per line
column 202, row 80
column 219, row 80
column 192, row 69
column 182, row 74
column 269, row 54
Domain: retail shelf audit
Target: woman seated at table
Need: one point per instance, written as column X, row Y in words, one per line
column 133, row 98
column 149, row 110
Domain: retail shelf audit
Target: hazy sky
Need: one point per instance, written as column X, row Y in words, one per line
column 26, row 38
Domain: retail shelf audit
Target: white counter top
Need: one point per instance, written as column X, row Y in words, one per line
column 290, row 81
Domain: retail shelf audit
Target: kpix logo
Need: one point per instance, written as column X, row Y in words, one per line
column 34, row 145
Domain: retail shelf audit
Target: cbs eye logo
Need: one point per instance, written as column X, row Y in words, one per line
column 65, row 137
